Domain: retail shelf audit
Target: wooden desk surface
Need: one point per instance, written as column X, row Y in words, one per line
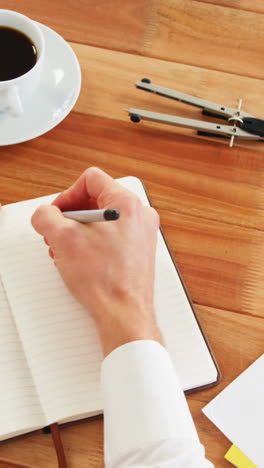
column 210, row 197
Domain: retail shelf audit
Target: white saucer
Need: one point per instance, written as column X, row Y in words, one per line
column 54, row 98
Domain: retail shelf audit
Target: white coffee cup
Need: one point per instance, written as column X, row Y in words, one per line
column 15, row 94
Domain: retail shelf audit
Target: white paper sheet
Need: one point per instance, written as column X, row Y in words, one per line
column 238, row 411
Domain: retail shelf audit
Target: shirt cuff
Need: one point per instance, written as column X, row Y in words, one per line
column 143, row 399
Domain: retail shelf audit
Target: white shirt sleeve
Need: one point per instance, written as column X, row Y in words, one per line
column 147, row 421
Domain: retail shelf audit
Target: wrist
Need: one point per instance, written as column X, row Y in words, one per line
column 125, row 327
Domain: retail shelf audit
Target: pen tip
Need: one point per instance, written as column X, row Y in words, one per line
column 111, row 215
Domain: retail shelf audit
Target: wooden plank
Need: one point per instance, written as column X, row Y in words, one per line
column 247, row 5
column 209, row 36
column 116, row 24
column 221, row 264
column 184, row 175
column 210, row 198
column 110, row 76
column 241, row 343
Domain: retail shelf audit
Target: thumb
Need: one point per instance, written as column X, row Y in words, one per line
column 48, row 220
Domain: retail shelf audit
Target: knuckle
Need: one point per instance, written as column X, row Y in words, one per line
column 135, row 202
column 132, row 204
column 91, row 171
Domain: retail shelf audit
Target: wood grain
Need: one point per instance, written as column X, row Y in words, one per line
column 83, row 445
column 247, row 5
column 208, row 36
column 11, row 465
column 116, row 24
column 227, row 273
column 210, row 181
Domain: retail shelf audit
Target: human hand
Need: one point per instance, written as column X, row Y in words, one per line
column 107, row 266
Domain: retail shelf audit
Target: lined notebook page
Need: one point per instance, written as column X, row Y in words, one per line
column 20, row 409
column 180, row 330
column 58, row 335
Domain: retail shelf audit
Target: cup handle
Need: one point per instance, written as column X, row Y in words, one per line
column 14, row 105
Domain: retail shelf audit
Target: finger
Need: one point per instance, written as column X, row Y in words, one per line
column 93, row 184
column 85, row 204
column 51, row 253
column 48, row 220
column 91, row 204
column 46, row 241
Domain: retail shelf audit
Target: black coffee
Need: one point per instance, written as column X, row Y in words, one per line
column 17, row 53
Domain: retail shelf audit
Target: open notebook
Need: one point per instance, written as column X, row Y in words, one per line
column 49, row 351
